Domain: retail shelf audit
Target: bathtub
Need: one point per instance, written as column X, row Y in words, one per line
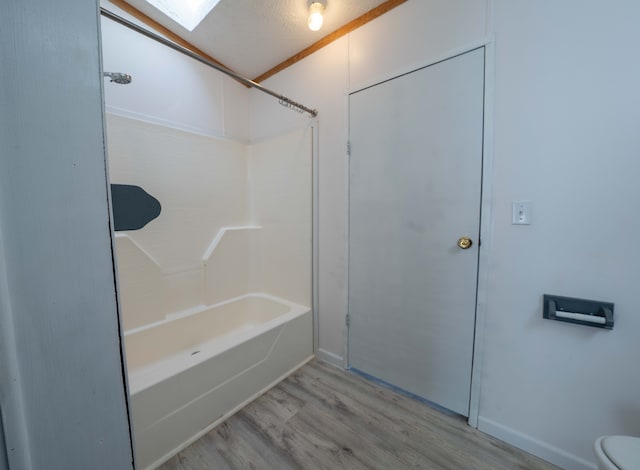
column 193, row 370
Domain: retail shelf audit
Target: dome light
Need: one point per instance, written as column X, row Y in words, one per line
column 316, row 9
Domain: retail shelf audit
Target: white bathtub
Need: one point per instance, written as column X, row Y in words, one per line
column 190, row 372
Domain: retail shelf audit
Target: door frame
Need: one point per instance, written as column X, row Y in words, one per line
column 486, row 207
column 315, row 231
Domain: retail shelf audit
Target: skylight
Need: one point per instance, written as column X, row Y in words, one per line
column 188, row 13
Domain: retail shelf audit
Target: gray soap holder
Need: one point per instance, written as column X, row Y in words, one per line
column 579, row 311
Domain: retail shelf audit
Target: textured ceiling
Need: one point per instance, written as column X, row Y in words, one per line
column 253, row 36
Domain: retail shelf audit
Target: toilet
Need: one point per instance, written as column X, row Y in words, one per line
column 618, row 452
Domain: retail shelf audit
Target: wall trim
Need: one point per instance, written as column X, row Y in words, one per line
column 538, row 448
column 216, row 134
column 371, row 15
column 330, row 358
column 420, row 64
column 347, row 211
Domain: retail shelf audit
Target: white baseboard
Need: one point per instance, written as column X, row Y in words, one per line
column 538, row 448
column 330, row 358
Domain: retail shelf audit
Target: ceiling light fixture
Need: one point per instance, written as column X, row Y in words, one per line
column 316, row 10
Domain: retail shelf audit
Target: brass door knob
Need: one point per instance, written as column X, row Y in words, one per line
column 465, row 243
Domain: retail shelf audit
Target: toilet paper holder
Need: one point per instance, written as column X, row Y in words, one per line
column 579, row 311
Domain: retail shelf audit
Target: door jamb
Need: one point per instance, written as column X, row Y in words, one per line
column 486, row 225
column 315, row 231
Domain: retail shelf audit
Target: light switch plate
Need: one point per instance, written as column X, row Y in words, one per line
column 521, row 213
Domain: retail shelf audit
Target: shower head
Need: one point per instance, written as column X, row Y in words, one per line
column 119, row 78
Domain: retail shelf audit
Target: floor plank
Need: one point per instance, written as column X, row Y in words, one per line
column 322, row 417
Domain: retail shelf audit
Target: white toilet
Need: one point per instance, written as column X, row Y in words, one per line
column 618, row 452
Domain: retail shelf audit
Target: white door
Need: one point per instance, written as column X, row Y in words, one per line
column 415, row 189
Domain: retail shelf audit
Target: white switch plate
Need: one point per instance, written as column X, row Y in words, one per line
column 521, row 213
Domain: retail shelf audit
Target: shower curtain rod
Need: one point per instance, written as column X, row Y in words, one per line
column 283, row 100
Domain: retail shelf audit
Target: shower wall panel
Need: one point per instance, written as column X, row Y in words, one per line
column 280, row 202
column 201, row 183
column 235, row 219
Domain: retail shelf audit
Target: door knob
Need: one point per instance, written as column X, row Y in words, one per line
column 465, row 243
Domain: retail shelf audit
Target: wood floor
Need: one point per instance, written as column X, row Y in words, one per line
column 324, row 418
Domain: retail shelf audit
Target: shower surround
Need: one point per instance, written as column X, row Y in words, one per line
column 215, row 292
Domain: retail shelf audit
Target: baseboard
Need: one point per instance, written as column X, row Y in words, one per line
column 329, row 357
column 538, row 448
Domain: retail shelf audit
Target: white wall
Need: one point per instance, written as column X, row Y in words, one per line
column 168, row 87
column 61, row 385
column 565, row 137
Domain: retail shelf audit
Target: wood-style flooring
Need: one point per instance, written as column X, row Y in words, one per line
column 324, row 418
